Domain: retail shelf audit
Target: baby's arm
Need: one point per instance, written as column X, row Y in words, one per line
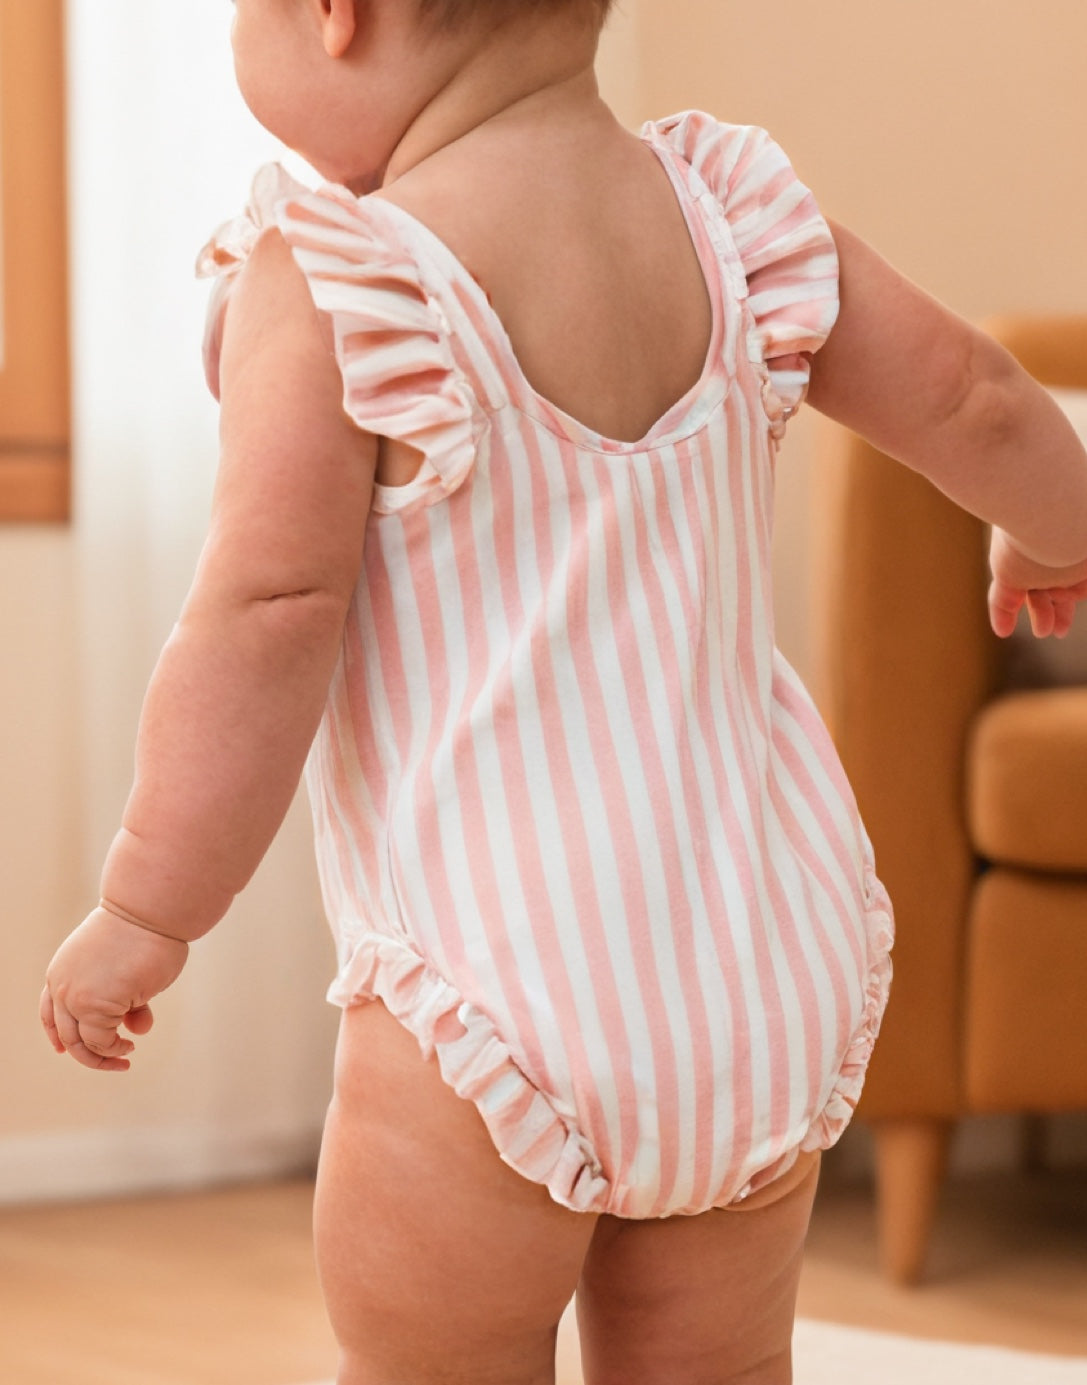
column 939, row 395
column 240, row 686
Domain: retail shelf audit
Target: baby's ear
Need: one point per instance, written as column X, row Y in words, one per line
column 339, row 24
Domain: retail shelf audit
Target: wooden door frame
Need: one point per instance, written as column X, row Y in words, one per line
column 34, row 367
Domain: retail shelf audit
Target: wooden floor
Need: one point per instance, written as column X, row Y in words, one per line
column 218, row 1288
column 1007, row 1264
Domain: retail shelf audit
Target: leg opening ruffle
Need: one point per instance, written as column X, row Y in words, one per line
column 528, row 1133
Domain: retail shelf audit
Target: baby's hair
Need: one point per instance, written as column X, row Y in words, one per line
column 450, row 14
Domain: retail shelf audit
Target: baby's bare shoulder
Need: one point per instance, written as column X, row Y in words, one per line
column 271, row 305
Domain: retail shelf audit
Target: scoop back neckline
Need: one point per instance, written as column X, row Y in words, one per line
column 682, row 418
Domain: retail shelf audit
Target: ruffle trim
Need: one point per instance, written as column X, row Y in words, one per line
column 531, row 1136
column 836, row 1114
column 784, row 245
column 390, row 337
column 784, row 387
column 230, row 246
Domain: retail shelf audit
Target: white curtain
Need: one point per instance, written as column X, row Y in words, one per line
column 236, row 1076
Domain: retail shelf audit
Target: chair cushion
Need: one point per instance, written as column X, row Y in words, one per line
column 1024, row 1043
column 1026, row 780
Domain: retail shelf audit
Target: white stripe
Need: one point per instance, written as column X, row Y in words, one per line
column 823, row 793
column 381, row 718
column 745, row 919
column 501, row 829
column 355, row 884
column 720, row 637
column 474, row 351
column 673, row 476
column 799, row 929
column 457, row 848
column 416, row 906
column 612, row 1082
column 644, row 475
column 477, row 356
column 753, row 473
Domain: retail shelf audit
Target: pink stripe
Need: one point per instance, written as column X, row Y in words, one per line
column 714, row 680
column 832, row 963
column 352, row 723
column 504, row 361
column 607, row 755
column 750, row 655
column 699, row 454
column 472, row 634
column 803, row 978
column 386, row 648
column 431, row 862
column 682, row 922
column 499, row 363
column 355, row 834
column 575, row 833
column 831, row 840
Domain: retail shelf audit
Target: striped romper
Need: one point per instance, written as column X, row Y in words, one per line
column 579, row 825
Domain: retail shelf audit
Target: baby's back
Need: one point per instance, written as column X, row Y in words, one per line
column 575, row 233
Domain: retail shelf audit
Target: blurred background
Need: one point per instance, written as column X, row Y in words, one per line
column 949, row 135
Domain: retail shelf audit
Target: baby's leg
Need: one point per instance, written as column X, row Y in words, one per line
column 438, row 1262
column 702, row 1300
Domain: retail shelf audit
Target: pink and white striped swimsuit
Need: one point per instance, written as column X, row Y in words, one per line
column 578, row 823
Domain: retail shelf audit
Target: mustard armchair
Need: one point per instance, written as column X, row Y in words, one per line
column 975, row 795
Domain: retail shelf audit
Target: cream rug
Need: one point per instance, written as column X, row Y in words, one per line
column 829, row 1354
column 826, row 1353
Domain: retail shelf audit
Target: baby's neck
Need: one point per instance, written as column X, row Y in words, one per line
column 514, row 75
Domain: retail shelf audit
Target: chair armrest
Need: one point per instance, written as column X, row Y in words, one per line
column 903, row 658
column 1053, row 347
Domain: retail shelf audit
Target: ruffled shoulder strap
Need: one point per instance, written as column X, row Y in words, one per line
column 784, row 245
column 392, row 345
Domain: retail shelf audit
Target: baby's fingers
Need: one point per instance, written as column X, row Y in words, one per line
column 89, row 1055
column 1043, row 616
column 1065, row 602
column 1004, row 605
column 1053, row 609
column 49, row 1023
column 94, row 1045
column 65, row 1023
column 140, row 1020
column 103, row 1040
column 1064, row 613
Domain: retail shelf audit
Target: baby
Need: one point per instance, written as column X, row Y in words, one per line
column 489, row 557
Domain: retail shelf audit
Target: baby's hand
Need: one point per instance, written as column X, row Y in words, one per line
column 103, row 976
column 1050, row 594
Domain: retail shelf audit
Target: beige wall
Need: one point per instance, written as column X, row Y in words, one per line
column 948, row 134
column 82, row 613
column 39, row 807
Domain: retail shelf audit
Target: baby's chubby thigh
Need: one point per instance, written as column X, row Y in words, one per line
column 437, row 1260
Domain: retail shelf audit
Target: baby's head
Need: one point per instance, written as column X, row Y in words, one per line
column 445, row 15
column 340, row 81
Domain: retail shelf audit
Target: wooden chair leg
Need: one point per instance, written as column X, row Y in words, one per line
column 911, row 1160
